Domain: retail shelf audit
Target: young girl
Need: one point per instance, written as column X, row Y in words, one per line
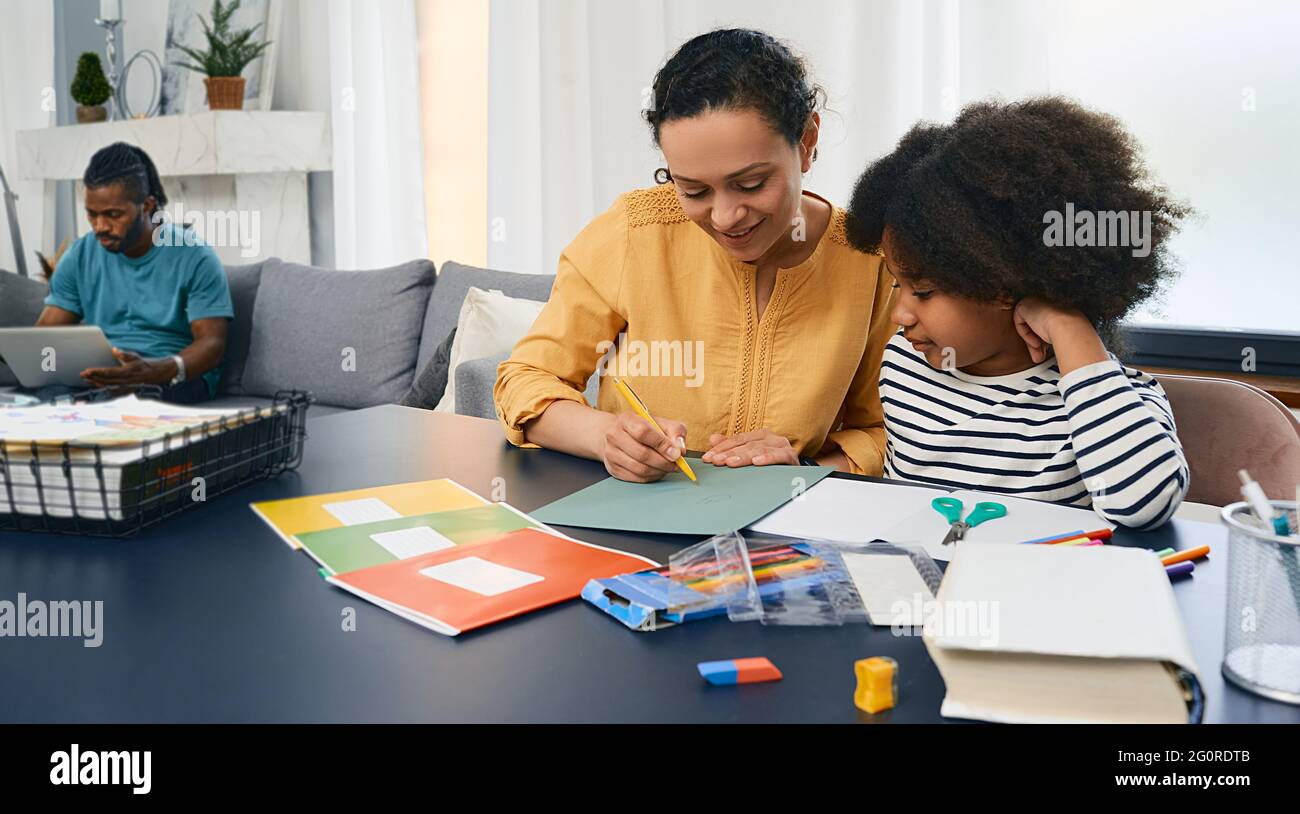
column 1019, row 236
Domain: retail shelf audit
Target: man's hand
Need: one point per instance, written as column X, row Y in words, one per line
column 133, row 369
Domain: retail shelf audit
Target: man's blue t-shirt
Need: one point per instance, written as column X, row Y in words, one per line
column 145, row 304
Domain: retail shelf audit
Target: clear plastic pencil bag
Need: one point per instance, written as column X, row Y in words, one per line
column 775, row 580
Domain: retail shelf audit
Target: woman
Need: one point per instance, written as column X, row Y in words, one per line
column 728, row 297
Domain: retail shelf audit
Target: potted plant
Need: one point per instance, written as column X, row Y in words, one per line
column 228, row 53
column 90, row 89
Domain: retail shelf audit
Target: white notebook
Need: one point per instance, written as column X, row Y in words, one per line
column 847, row 511
column 1026, row 520
column 853, row 511
column 1071, row 635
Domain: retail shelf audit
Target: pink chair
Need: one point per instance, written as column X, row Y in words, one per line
column 1226, row 425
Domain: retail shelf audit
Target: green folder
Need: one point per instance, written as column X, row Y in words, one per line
column 724, row 500
column 351, row 548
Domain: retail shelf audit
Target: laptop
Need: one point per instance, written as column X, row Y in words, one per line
column 50, row 355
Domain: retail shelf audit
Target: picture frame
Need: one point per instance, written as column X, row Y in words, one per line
column 182, row 89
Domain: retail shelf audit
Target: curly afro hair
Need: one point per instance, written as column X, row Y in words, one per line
column 966, row 205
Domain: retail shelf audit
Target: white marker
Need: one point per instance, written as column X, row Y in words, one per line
column 1259, row 502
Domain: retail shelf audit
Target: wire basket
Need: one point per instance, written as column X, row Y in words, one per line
column 116, row 490
column 1261, row 651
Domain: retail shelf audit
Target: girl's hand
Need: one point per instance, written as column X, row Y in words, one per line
column 1037, row 321
column 757, row 448
column 1047, row 327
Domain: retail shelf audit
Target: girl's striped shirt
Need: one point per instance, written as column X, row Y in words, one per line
column 1101, row 436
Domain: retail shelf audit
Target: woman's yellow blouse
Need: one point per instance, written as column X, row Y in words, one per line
column 679, row 314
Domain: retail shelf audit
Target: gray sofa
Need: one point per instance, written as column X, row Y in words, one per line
column 353, row 339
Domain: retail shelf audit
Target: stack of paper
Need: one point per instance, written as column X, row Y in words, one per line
column 121, row 421
column 124, row 435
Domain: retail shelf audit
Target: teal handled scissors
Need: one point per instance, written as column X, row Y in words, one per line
column 951, row 508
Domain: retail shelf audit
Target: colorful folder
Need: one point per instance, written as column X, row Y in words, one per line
column 294, row 516
column 475, row 584
column 351, row 548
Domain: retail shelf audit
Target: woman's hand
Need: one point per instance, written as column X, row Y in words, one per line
column 757, row 448
column 1046, row 327
column 633, row 450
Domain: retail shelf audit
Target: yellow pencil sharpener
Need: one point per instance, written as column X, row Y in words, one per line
column 877, row 684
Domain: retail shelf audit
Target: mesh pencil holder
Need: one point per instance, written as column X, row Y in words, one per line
column 1261, row 651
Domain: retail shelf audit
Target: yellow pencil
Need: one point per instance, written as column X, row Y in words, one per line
column 639, row 408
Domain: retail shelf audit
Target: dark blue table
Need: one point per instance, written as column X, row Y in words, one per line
column 210, row 617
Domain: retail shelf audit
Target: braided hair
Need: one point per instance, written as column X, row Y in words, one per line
column 735, row 69
column 130, row 166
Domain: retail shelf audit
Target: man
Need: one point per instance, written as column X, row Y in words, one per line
column 160, row 295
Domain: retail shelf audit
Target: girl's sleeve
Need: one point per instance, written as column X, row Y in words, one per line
column 1125, row 443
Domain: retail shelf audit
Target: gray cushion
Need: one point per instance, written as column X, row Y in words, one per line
column 306, row 317
column 21, row 302
column 244, row 282
column 454, row 280
column 431, row 382
column 476, row 379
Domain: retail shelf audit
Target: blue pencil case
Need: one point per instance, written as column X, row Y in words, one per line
column 662, row 597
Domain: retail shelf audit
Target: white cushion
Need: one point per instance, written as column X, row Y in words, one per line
column 490, row 324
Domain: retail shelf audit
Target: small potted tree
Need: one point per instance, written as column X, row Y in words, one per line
column 90, row 89
column 223, row 63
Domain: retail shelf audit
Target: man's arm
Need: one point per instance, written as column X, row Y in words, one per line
column 209, row 345
column 54, row 315
column 200, row 356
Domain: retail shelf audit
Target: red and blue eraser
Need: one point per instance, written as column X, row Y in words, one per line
column 739, row 671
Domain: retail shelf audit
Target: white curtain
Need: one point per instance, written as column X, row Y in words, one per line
column 568, row 80
column 27, row 101
column 1208, row 88
column 375, row 114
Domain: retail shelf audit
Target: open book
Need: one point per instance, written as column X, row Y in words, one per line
column 852, row 511
column 1045, row 634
